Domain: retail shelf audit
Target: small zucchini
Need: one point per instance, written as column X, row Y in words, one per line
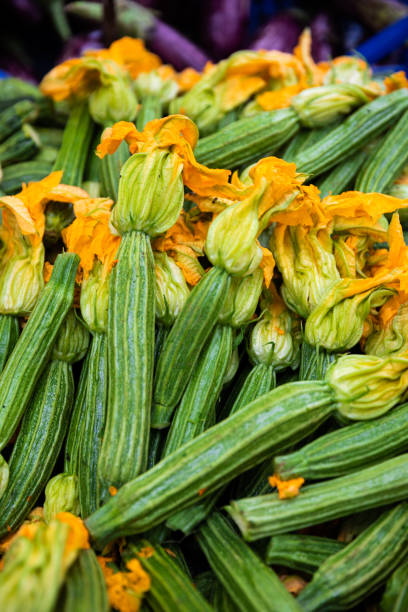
column 21, row 145
column 14, row 117
column 9, row 333
column 302, row 553
column 84, row 588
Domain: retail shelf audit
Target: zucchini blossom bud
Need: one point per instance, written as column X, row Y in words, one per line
column 232, row 367
column 350, row 70
column 171, row 289
column 61, row 495
column 242, row 299
column 152, row 84
column 390, row 337
column 58, row 215
column 72, row 340
column 114, row 100
column 21, row 280
column 367, row 386
column 275, row 338
column 94, row 299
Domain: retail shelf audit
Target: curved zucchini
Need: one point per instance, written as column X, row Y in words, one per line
column 9, row 332
column 84, row 589
column 302, row 553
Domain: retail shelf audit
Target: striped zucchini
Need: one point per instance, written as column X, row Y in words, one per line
column 353, row 133
column 21, row 145
column 75, row 145
column 151, row 108
column 71, row 451
column 187, row 520
column 248, row 581
column 50, row 136
column 248, row 139
column 9, row 332
column 347, row 577
column 378, row 485
column 261, row 379
column 314, row 361
column 32, row 351
column 386, row 161
column 23, row 172
column 13, row 89
column 110, row 167
column 184, row 342
column 202, row 391
column 306, row 138
column 395, row 598
column 341, row 177
column 171, row 588
column 130, row 363
column 221, row 601
column 348, row 449
column 302, row 553
column 84, row 589
column 294, row 145
column 13, row 117
column 92, row 425
column 288, row 413
column 46, row 154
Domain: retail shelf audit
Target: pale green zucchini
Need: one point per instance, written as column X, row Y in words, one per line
column 302, row 553
column 9, row 333
column 84, row 588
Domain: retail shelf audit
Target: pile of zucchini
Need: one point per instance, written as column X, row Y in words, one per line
column 203, row 375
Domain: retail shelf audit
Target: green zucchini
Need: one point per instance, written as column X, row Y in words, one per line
column 50, row 136
column 71, row 451
column 184, row 342
column 302, row 553
column 386, row 161
column 314, row 361
column 171, row 588
column 282, row 416
column 130, row 336
column 378, row 485
column 23, row 172
column 75, row 145
column 187, row 520
column 353, row 133
column 110, row 167
column 47, row 154
column 21, row 145
column 151, row 108
column 307, row 138
column 395, row 598
column 347, row 577
column 202, row 391
column 13, row 89
column 294, row 145
column 248, row 139
column 348, row 449
column 341, row 177
column 14, row 117
column 32, row 351
column 9, row 333
column 84, row 588
column 248, row 581
column 221, row 601
column 92, row 174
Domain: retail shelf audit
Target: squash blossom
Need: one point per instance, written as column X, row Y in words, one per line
column 171, row 289
column 61, row 495
column 125, row 588
column 242, row 299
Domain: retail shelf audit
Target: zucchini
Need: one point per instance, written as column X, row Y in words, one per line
column 13, row 89
column 32, row 351
column 282, row 416
column 314, row 361
column 302, row 553
column 345, row 450
column 130, row 337
column 184, row 342
column 187, row 520
column 50, row 136
column 307, row 138
column 347, row 577
column 294, row 145
column 251, row 585
column 386, row 161
column 75, row 145
column 248, row 139
column 9, row 333
column 151, row 108
column 23, row 172
column 46, row 154
column 92, row 173
column 84, row 589
column 13, row 117
column 21, row 145
column 109, row 169
column 202, row 391
column 71, row 451
column 378, row 485
column 395, row 598
column 341, row 177
column 353, row 133
column 171, row 588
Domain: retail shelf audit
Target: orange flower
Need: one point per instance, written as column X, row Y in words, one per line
column 130, row 53
column 78, row 537
column 125, row 589
column 355, row 204
column 397, row 80
column 267, row 265
column 286, row 488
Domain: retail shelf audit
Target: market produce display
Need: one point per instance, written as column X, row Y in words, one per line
column 204, row 331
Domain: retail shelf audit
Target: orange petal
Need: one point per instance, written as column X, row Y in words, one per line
column 286, row 488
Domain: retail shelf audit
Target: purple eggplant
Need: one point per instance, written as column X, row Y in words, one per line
column 321, row 30
column 375, row 14
column 223, row 25
column 76, row 45
column 135, row 20
column 281, row 33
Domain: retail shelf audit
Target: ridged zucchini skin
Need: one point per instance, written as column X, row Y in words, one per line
column 71, row 450
column 395, row 598
column 248, row 581
column 171, row 588
column 261, row 379
column 12, row 118
column 50, row 136
column 9, row 332
column 30, row 354
column 378, row 485
column 84, row 589
column 314, row 362
column 23, row 172
column 187, row 520
column 160, row 337
column 306, row 138
column 347, row 577
column 130, row 338
column 38, row 444
column 92, row 425
column 21, row 145
column 248, row 139
column 202, row 391
column 348, row 449
column 151, row 108
column 203, row 465
column 386, row 161
column 353, row 133
column 302, row 553
column 75, row 145
column 110, row 167
column 184, row 342
column 341, row 177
